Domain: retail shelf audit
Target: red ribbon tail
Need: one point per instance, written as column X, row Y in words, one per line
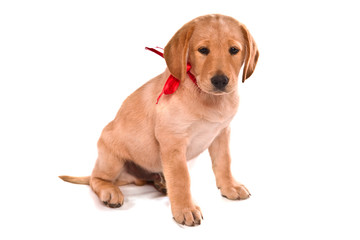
column 157, row 100
column 155, row 51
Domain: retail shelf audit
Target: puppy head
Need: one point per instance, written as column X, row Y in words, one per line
column 216, row 47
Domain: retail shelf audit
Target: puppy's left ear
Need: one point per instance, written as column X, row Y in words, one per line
column 252, row 53
column 176, row 51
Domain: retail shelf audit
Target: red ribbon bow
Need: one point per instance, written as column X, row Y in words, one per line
column 172, row 83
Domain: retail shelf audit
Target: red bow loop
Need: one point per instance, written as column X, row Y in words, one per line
column 171, row 85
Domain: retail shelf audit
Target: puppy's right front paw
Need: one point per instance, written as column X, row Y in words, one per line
column 189, row 215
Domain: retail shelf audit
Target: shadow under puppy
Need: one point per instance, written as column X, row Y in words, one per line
column 152, row 142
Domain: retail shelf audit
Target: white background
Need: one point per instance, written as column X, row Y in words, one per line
column 66, row 67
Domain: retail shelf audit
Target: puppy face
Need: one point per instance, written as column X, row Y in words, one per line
column 216, row 53
column 216, row 46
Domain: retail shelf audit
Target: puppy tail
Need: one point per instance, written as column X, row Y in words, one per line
column 76, row 180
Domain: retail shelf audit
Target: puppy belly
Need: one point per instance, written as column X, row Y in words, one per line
column 140, row 172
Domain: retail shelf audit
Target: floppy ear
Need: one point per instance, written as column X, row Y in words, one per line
column 252, row 54
column 176, row 51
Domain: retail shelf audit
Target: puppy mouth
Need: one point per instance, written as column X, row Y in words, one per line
column 220, row 92
column 216, row 92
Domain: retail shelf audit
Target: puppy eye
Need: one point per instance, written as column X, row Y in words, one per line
column 233, row 50
column 204, row 50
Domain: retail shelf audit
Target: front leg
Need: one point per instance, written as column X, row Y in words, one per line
column 220, row 156
column 173, row 157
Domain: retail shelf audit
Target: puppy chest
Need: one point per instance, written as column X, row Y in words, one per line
column 201, row 136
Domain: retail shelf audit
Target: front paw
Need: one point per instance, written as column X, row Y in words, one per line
column 187, row 215
column 235, row 191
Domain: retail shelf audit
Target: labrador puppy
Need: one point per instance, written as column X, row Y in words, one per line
column 153, row 142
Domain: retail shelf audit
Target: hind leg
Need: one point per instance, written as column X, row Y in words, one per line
column 106, row 172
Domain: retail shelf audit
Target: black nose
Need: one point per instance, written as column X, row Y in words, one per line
column 219, row 81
